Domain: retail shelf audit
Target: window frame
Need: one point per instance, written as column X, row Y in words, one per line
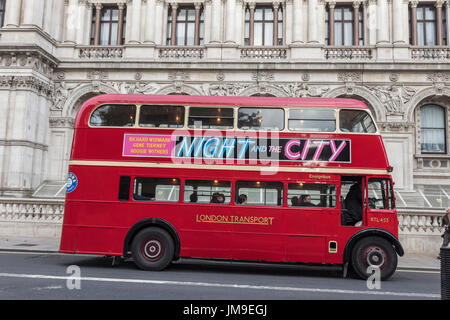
column 112, row 39
column 134, row 185
column 186, row 21
column 444, row 129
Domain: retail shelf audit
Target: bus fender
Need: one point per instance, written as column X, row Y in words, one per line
column 151, row 222
column 371, row 232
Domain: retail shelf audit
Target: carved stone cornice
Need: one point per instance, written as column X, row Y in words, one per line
column 26, row 83
column 28, row 58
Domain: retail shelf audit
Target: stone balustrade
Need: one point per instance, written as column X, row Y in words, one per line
column 430, row 53
column 181, row 52
column 101, row 52
column 348, row 53
column 264, row 53
column 31, row 217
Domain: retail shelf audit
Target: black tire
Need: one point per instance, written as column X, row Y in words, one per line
column 375, row 252
column 152, row 249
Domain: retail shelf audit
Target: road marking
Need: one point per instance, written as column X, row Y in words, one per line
column 224, row 285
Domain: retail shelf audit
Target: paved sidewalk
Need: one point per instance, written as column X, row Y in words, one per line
column 51, row 245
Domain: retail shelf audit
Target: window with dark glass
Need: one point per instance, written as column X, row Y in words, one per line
column 263, row 26
column 311, row 195
column 312, row 120
column 156, row 189
column 211, row 118
column 260, row 119
column 260, row 193
column 187, row 28
column 108, row 26
column 432, row 129
column 356, row 121
column 344, row 26
column 380, row 194
column 111, row 115
column 207, row 191
column 161, row 116
column 2, row 12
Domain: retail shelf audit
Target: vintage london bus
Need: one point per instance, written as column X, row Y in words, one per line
column 297, row 180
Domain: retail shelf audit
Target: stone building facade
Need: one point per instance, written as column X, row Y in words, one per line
column 392, row 54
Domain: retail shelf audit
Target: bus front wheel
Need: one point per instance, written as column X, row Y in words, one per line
column 373, row 253
column 152, row 249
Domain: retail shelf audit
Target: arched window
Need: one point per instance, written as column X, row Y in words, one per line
column 432, row 129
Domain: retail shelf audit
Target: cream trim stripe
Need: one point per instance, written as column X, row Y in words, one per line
column 224, row 167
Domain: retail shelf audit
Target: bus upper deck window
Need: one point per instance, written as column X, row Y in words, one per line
column 114, row 115
column 211, row 118
column 356, row 121
column 312, row 120
column 261, row 118
column 161, row 116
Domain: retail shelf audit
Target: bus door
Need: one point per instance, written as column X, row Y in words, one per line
column 258, row 221
column 311, row 218
column 352, row 199
column 381, row 203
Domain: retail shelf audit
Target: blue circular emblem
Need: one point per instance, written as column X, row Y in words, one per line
column 72, row 182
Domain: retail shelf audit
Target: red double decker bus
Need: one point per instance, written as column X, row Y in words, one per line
column 158, row 178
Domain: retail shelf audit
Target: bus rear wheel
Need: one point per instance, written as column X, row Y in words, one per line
column 152, row 249
column 371, row 253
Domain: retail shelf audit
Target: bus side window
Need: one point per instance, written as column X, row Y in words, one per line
column 113, row 115
column 207, row 191
column 161, row 116
column 311, row 195
column 260, row 193
column 261, row 119
column 156, row 189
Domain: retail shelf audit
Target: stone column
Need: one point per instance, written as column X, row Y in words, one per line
column 33, row 12
column 331, row 6
column 414, row 4
column 371, row 22
column 98, row 13
column 276, row 5
column 149, row 34
column 231, row 15
column 313, row 8
column 82, row 14
column 160, row 20
column 120, row 26
column 382, row 22
column 198, row 7
column 135, row 22
column 447, row 13
column 238, row 30
column 72, row 21
column 57, row 24
column 216, row 18
column 12, row 13
column 251, row 33
column 356, row 23
column 173, row 38
column 398, row 26
column 298, row 23
column 439, row 24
